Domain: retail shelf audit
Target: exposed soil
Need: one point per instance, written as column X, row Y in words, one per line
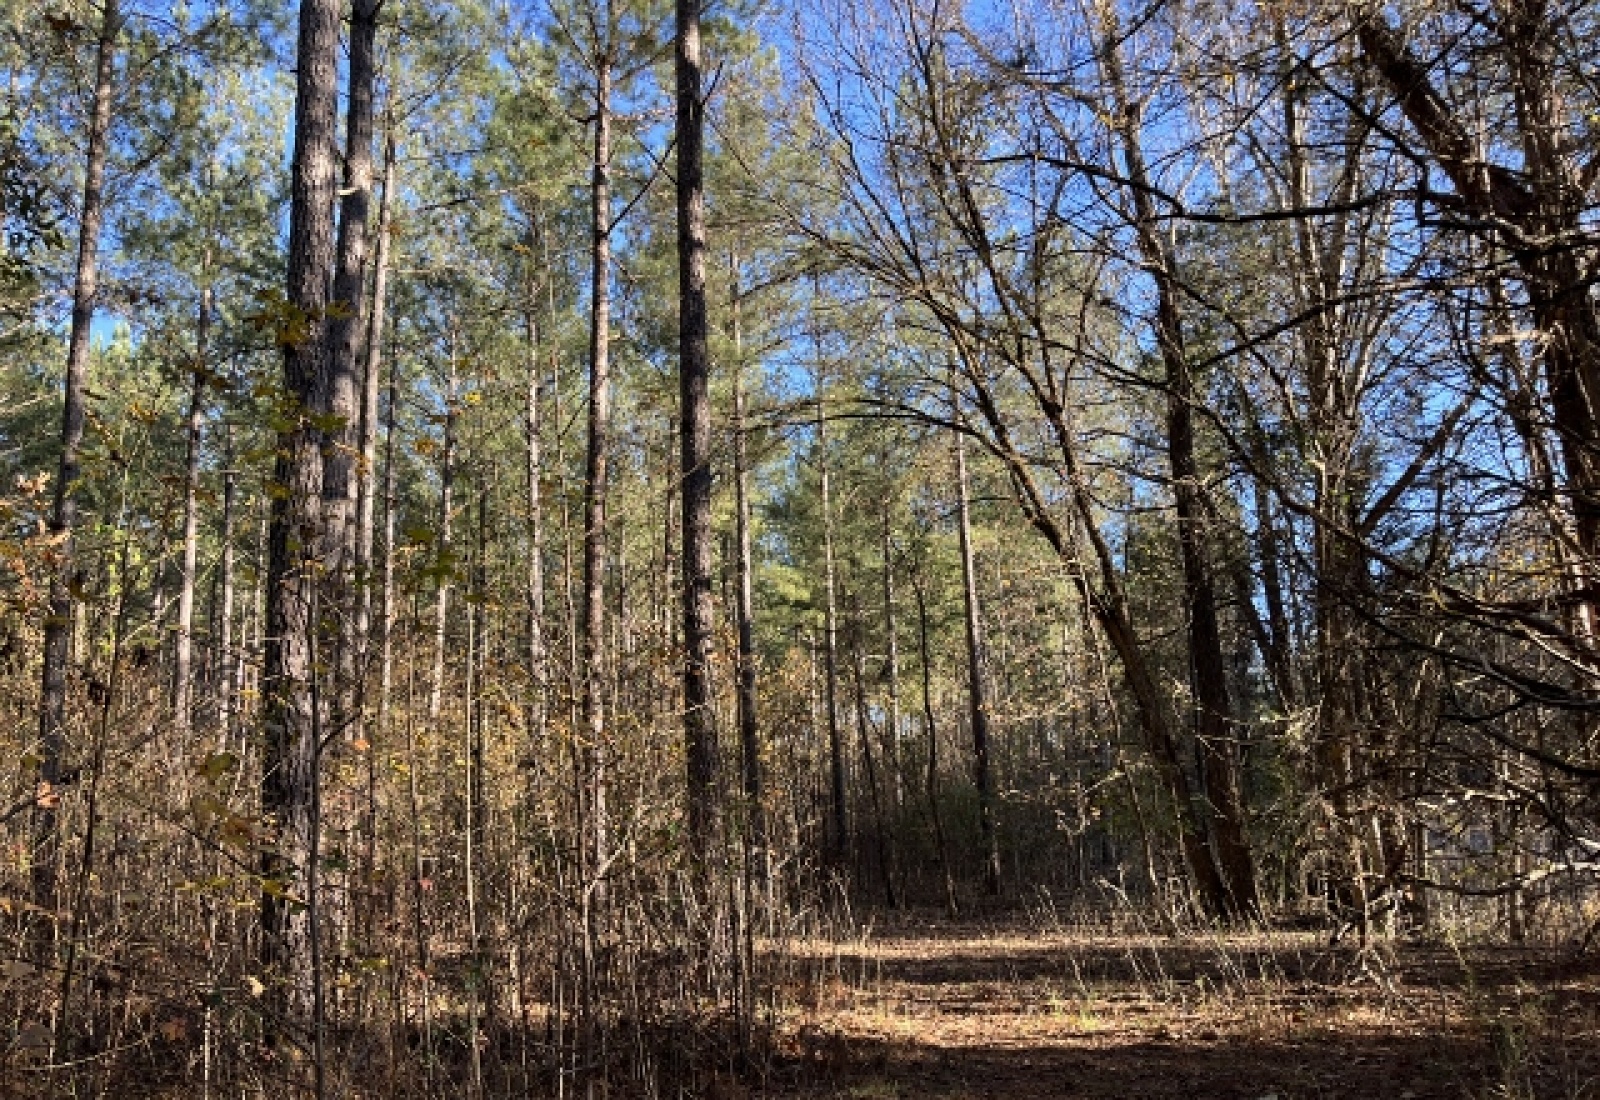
column 967, row 1011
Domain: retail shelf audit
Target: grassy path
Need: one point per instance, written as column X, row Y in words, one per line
column 958, row 1012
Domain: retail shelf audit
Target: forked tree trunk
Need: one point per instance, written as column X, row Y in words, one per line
column 347, row 334
column 1543, row 202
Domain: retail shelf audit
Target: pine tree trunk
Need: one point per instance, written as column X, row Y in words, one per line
column 593, row 839
column 481, row 984
column 183, row 643
column 838, row 840
column 371, row 385
column 694, row 395
column 444, row 539
column 226, row 649
column 293, row 710
column 45, row 858
column 386, row 613
column 882, row 840
column 533, row 471
column 978, row 708
column 596, row 470
column 346, row 403
column 749, row 725
column 360, row 672
column 931, row 730
column 891, row 661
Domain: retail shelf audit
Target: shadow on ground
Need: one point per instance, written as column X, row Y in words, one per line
column 1419, row 1067
column 1016, row 1017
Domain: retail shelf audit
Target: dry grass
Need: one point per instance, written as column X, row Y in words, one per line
column 1010, row 1010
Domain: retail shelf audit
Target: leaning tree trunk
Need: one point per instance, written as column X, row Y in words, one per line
column 1543, row 202
column 1216, row 739
column 1102, row 592
column 46, row 855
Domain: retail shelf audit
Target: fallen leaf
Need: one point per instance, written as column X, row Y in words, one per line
column 34, row 1038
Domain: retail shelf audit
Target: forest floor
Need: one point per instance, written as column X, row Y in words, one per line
column 956, row 1011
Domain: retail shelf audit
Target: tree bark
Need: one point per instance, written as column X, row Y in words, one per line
column 361, row 734
column 592, row 814
column 749, row 725
column 931, row 729
column 226, row 650
column 589, row 750
column 891, row 660
column 183, row 648
column 838, row 840
column 46, row 826
column 883, row 842
column 293, row 713
column 694, row 394
column 978, row 708
column 443, row 564
column 386, row 614
column 533, row 472
column 371, row 385
column 1213, row 720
